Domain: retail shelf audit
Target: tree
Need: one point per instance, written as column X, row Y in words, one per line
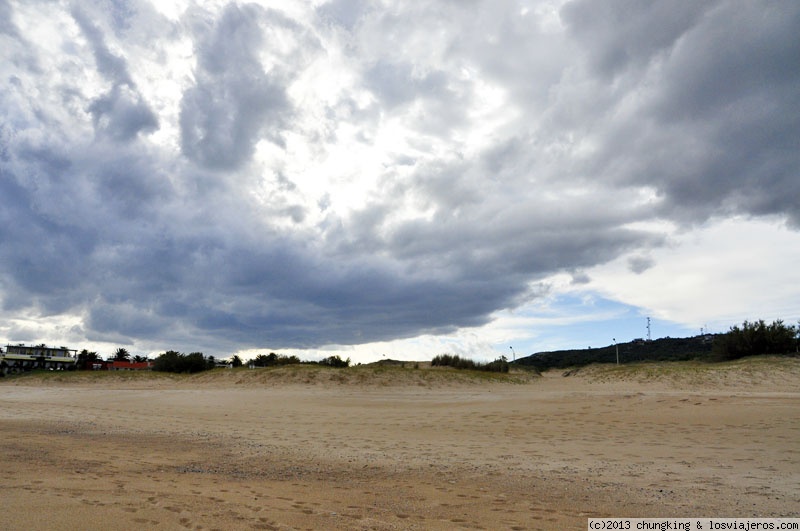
column 335, row 361
column 272, row 359
column 172, row 361
column 194, row 362
column 756, row 338
column 167, row 362
column 86, row 359
column 498, row 365
column 121, row 354
column 236, row 361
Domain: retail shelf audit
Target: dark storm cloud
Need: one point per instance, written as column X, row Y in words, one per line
column 72, row 227
column 235, row 102
column 624, row 34
column 281, row 297
column 39, row 256
column 739, row 97
column 630, row 113
column 713, row 109
column 122, row 114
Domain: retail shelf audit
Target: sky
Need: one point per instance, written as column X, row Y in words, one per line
column 395, row 179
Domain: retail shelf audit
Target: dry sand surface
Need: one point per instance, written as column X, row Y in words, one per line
column 399, row 449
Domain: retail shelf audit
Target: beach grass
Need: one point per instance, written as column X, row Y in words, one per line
column 404, row 373
column 745, row 370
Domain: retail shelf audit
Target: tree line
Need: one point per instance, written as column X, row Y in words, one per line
column 87, row 358
column 756, row 338
column 748, row 339
column 174, row 361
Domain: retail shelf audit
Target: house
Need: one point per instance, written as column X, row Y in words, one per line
column 21, row 357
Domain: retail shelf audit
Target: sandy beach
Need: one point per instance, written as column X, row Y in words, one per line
column 357, row 450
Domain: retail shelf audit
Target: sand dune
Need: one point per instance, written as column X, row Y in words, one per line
column 399, row 449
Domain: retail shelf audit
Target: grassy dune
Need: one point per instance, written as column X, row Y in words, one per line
column 761, row 371
column 409, row 374
column 764, row 372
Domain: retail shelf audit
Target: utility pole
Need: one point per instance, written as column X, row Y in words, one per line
column 616, row 347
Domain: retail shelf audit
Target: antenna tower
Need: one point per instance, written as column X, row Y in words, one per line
column 648, row 329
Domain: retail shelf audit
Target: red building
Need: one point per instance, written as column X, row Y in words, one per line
column 129, row 365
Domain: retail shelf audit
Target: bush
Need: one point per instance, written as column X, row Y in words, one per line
column 755, row 338
column 172, row 361
column 335, row 361
column 455, row 361
column 272, row 359
column 498, row 365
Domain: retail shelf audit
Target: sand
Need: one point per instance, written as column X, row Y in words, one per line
column 356, row 451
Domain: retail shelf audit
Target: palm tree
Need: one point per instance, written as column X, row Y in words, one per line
column 121, row 354
column 86, row 359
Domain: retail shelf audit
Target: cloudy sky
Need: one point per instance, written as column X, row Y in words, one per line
column 400, row 179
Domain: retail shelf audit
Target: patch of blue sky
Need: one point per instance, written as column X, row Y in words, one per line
column 573, row 321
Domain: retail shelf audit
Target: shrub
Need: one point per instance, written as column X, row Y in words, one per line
column 455, row 361
column 498, row 365
column 335, row 361
column 272, row 359
column 172, row 361
column 755, row 338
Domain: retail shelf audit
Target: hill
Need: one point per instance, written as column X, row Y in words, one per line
column 665, row 349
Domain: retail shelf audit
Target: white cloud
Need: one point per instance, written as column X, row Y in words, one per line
column 721, row 274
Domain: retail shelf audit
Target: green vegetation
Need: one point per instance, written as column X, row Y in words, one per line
column 86, row 359
column 335, row 361
column 273, row 360
column 751, row 339
column 756, row 338
column 176, row 362
column 121, row 354
column 449, row 360
column 666, row 349
column 172, row 361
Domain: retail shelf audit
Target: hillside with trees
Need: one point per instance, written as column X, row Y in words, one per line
column 665, row 349
column 750, row 339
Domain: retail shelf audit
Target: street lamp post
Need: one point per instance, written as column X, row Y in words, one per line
column 616, row 347
column 513, row 354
